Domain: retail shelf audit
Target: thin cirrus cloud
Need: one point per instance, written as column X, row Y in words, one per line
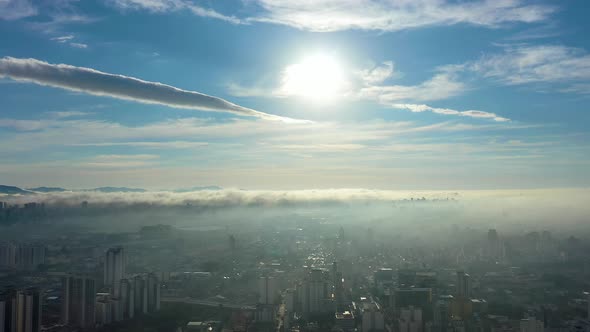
column 519, row 65
column 98, row 83
column 446, row 111
column 161, row 6
column 16, row 9
column 335, row 15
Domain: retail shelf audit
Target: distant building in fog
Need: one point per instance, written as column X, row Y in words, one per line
column 410, row 320
column 140, row 295
column 315, row 295
column 127, row 298
column 463, row 285
column 22, row 256
column 153, row 292
column 267, row 290
column 114, row 268
column 372, row 317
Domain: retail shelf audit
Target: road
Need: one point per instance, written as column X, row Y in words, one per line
column 189, row 300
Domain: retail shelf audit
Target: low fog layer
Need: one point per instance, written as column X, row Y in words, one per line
column 555, row 209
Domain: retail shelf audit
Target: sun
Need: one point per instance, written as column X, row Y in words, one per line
column 317, row 77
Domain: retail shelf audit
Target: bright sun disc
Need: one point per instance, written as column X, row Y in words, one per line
column 318, row 77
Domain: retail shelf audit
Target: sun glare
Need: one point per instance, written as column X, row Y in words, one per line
column 318, row 77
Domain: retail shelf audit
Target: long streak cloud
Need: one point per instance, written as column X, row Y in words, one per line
column 98, row 83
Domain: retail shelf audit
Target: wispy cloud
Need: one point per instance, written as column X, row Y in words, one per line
column 79, row 45
column 94, row 82
column 16, row 9
column 524, row 64
column 63, row 39
column 334, row 15
column 161, row 6
column 155, row 145
column 119, row 161
column 68, row 114
column 446, row 111
column 440, row 86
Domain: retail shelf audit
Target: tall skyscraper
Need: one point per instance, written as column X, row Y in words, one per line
column 24, row 256
column 20, row 310
column 126, row 298
column 410, row 320
column 267, row 290
column 7, row 255
column 78, row 301
column 140, row 296
column 153, row 292
column 315, row 293
column 373, row 319
column 463, row 285
column 114, row 268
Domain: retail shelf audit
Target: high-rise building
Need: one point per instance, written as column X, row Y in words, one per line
column 338, row 286
column 78, row 301
column 23, row 256
column 114, row 268
column 442, row 313
column 315, row 293
column 345, row 321
column 20, row 310
column 3, row 304
column 153, row 293
column 29, row 257
column 267, row 290
column 372, row 317
column 410, row 320
column 107, row 309
column 7, row 255
column 140, row 295
column 126, row 298
column 463, row 285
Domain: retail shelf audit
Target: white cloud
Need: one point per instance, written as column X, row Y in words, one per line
column 63, row 39
column 446, row 111
column 334, row 15
column 16, row 9
column 161, row 6
column 535, row 64
column 440, row 86
column 118, row 161
column 377, row 74
column 68, row 114
column 79, row 45
column 118, row 86
column 154, row 145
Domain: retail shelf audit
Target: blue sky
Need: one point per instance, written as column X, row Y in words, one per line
column 281, row 94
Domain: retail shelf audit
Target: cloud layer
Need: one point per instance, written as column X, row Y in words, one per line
column 98, row 83
column 335, row 15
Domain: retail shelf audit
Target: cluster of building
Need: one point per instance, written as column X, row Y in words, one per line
column 28, row 211
column 86, row 302
column 123, row 296
column 21, row 256
column 20, row 310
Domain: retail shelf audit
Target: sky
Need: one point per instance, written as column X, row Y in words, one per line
column 283, row 94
